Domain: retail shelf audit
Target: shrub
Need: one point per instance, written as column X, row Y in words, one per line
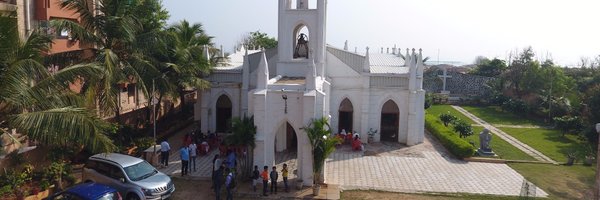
column 428, row 100
column 142, row 144
column 463, row 128
column 447, row 118
column 567, row 124
column 457, row 146
column 515, row 106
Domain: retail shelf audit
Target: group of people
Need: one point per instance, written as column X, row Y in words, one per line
column 224, row 174
column 353, row 138
column 272, row 176
column 188, row 152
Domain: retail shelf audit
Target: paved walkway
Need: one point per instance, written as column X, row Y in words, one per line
column 426, row 167
column 506, row 137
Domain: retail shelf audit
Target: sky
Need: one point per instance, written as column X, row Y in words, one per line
column 446, row 30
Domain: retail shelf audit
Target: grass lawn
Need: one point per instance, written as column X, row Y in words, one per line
column 377, row 195
column 549, row 142
column 561, row 182
column 436, row 110
column 502, row 148
column 494, row 115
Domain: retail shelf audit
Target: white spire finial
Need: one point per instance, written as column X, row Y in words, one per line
column 222, row 52
column 206, row 52
column 263, row 72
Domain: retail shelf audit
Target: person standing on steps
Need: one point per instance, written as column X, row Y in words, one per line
column 265, row 178
column 274, row 177
column 165, row 148
column 284, row 174
column 255, row 176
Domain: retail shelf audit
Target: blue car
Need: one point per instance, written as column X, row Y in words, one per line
column 87, row 191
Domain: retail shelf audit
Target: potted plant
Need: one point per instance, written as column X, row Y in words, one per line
column 318, row 132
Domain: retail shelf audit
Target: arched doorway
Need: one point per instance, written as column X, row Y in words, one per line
column 346, row 112
column 390, row 117
column 223, row 114
column 291, row 139
column 286, row 149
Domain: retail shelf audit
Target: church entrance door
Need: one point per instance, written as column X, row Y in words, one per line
column 346, row 112
column 390, row 117
column 291, row 139
column 223, row 114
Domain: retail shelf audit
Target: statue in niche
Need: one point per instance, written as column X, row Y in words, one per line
column 301, row 50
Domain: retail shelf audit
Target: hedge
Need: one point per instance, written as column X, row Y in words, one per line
column 457, row 146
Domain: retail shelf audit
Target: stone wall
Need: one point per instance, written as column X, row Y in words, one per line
column 461, row 85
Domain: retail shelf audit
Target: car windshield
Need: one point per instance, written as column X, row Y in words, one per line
column 140, row 171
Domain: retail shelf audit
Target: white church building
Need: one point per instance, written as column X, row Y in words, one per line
column 284, row 88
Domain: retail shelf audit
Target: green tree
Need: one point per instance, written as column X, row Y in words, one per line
column 319, row 135
column 185, row 63
column 258, row 39
column 521, row 75
column 151, row 14
column 567, row 124
column 111, row 27
column 40, row 104
column 243, row 134
column 490, row 68
column 447, row 118
column 463, row 128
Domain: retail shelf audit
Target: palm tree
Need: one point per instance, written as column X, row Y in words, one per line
column 319, row 135
column 111, row 27
column 40, row 104
column 185, row 61
column 243, row 135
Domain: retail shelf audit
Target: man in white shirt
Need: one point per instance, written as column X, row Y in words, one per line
column 193, row 149
column 164, row 153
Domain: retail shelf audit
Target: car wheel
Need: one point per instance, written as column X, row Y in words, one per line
column 132, row 197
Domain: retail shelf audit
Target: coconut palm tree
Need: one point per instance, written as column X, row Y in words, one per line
column 40, row 104
column 243, row 135
column 111, row 27
column 185, row 61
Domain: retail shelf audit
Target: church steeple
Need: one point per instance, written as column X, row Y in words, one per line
column 301, row 37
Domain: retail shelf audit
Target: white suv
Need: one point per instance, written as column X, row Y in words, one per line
column 133, row 177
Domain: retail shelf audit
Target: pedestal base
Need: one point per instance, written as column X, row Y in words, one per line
column 487, row 153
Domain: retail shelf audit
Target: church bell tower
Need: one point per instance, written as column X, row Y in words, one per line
column 301, row 37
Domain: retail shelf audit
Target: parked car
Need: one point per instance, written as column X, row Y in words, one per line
column 87, row 191
column 133, row 177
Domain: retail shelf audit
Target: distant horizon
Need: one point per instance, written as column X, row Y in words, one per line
column 460, row 30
